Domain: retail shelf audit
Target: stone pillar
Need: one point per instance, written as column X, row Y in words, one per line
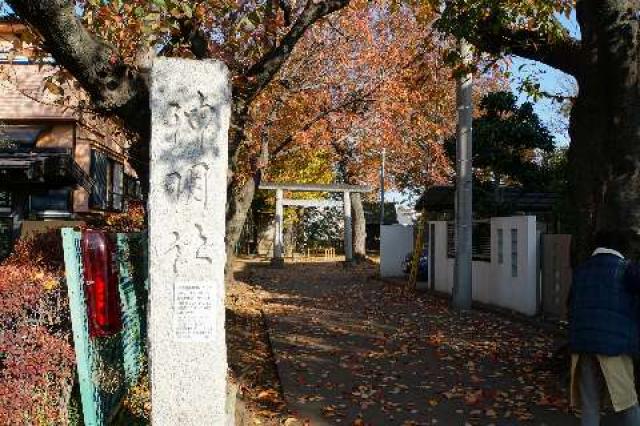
column 348, row 232
column 190, row 110
column 278, row 246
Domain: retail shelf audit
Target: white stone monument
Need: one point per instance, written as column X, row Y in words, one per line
column 190, row 110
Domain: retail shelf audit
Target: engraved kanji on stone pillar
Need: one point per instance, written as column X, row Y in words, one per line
column 190, row 110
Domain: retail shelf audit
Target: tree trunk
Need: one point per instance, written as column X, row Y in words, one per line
column 359, row 228
column 238, row 205
column 288, row 237
column 604, row 157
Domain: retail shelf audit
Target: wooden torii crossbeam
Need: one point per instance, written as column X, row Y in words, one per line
column 346, row 190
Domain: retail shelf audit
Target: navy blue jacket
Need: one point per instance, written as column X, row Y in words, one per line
column 603, row 307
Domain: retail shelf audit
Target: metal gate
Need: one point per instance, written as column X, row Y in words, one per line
column 108, row 366
column 556, row 274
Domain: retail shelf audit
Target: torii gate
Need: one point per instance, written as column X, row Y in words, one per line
column 346, row 190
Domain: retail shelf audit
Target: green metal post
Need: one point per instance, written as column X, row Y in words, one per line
column 73, row 268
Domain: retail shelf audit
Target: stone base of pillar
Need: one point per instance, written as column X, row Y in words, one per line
column 277, row 262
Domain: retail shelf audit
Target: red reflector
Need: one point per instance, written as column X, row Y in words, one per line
column 101, row 283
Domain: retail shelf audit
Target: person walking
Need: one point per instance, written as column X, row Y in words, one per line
column 603, row 332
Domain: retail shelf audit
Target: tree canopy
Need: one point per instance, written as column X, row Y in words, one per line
column 509, row 144
column 370, row 77
column 604, row 155
column 106, row 50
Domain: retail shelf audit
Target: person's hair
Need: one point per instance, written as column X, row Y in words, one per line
column 615, row 240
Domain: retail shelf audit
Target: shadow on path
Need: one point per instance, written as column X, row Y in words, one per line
column 351, row 349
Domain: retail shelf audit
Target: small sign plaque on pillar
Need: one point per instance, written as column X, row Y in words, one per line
column 190, row 110
column 193, row 309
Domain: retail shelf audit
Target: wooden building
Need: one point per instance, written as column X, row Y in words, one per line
column 58, row 162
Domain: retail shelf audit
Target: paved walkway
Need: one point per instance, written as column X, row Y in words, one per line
column 353, row 350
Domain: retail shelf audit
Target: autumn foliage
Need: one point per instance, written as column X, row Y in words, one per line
column 43, row 251
column 371, row 76
column 36, row 353
column 131, row 220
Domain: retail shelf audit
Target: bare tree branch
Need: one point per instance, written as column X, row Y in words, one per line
column 263, row 71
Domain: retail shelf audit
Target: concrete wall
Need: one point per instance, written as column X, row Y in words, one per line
column 494, row 282
column 395, row 242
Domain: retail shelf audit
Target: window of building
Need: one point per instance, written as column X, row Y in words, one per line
column 108, row 176
column 6, row 238
column 6, row 200
column 117, row 186
column 132, row 188
column 19, row 137
column 53, row 200
column 99, row 166
column 500, row 246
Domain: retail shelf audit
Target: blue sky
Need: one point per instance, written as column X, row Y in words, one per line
column 552, row 81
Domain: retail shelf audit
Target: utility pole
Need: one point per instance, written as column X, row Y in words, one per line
column 382, row 188
column 462, row 287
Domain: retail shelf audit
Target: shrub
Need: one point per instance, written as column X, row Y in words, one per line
column 37, row 363
column 36, row 352
column 36, row 375
column 131, row 220
column 41, row 252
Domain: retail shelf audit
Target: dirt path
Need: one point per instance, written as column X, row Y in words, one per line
column 353, row 350
column 251, row 359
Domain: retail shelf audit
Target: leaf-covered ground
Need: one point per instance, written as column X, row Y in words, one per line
column 250, row 356
column 354, row 350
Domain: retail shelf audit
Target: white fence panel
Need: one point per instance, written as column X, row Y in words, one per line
column 509, row 279
column 395, row 242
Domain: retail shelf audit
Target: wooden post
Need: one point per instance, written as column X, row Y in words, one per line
column 417, row 250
